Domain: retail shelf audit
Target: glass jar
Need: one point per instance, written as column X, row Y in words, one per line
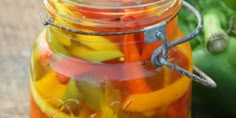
column 77, row 75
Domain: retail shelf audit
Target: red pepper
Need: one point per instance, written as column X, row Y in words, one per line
column 35, row 111
column 62, row 78
column 131, row 52
column 72, row 67
column 93, row 13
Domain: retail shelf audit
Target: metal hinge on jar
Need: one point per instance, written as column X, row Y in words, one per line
column 157, row 33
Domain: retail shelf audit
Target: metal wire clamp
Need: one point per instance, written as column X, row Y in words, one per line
column 159, row 60
column 152, row 34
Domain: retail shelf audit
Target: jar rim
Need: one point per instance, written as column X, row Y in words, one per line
column 109, row 18
column 119, row 4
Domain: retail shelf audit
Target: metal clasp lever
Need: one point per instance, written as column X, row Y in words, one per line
column 159, row 31
column 159, row 57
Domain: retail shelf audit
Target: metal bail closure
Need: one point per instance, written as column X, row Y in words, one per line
column 159, row 57
column 149, row 31
column 152, row 34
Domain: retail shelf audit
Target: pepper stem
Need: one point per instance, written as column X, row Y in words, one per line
column 216, row 39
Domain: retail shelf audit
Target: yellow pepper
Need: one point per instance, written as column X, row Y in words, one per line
column 60, row 35
column 107, row 112
column 50, row 87
column 64, row 9
column 85, row 53
column 160, row 98
column 97, row 42
column 44, row 105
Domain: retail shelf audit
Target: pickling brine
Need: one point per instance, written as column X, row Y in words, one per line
column 76, row 75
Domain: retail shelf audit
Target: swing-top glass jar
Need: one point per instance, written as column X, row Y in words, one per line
column 90, row 61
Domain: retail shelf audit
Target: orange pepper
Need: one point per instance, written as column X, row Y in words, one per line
column 148, row 50
column 35, row 111
column 171, row 28
column 135, row 85
column 179, row 109
column 165, row 96
column 52, row 5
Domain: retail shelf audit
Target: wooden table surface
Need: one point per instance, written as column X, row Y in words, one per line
column 19, row 26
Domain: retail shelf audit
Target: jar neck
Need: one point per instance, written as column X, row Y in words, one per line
column 95, row 17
